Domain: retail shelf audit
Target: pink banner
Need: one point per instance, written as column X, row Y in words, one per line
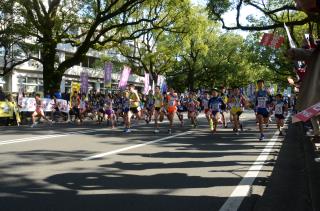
column 307, row 114
column 107, row 75
column 146, row 83
column 124, row 77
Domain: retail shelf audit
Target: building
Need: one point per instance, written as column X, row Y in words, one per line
column 29, row 75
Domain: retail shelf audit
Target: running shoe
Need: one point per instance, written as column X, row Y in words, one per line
column 261, row 137
column 237, row 132
column 280, row 134
column 156, row 131
column 128, row 130
column 170, row 131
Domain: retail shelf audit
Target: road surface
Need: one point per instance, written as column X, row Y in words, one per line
column 67, row 167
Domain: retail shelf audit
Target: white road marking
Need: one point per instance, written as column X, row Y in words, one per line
column 42, row 137
column 133, row 147
column 243, row 189
column 31, row 139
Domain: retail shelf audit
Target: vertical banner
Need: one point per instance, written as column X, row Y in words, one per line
column 21, row 91
column 84, row 81
column 63, row 86
column 162, row 83
column 124, row 77
column 107, row 75
column 146, row 83
column 164, row 87
column 153, row 86
column 289, row 90
column 160, row 80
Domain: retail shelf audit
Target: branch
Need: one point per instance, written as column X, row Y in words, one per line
column 276, row 24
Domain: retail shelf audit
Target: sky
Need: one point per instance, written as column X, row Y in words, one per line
column 230, row 17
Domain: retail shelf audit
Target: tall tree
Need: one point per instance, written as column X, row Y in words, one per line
column 151, row 53
column 83, row 24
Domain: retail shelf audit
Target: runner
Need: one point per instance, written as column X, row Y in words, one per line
column 117, row 107
column 262, row 101
column 171, row 102
column 101, row 111
column 215, row 105
column 126, row 111
column 180, row 110
column 205, row 105
column 55, row 109
column 192, row 104
column 158, row 102
column 39, row 111
column 223, row 112
column 109, row 113
column 83, row 105
column 236, row 102
column 280, row 108
column 134, row 103
column 150, row 102
column 75, row 103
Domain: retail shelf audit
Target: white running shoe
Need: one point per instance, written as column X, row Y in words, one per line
column 156, row 131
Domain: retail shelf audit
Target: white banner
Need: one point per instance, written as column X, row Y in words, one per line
column 29, row 105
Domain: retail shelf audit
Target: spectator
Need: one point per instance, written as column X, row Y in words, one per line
column 310, row 85
column 58, row 95
column 2, row 95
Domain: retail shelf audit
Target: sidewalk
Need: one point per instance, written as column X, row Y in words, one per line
column 295, row 181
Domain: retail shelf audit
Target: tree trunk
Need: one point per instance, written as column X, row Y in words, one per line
column 190, row 79
column 51, row 77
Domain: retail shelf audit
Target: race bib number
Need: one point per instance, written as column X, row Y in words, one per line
column 279, row 109
column 215, row 106
column 262, row 102
column 171, row 103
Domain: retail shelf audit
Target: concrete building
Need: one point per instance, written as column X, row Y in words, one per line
column 29, row 75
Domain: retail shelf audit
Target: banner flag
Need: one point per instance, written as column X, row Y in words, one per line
column 84, row 81
column 307, row 114
column 63, row 86
column 146, row 83
column 289, row 91
column 107, row 74
column 272, row 40
column 124, row 77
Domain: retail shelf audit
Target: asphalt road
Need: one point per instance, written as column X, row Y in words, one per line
column 67, row 167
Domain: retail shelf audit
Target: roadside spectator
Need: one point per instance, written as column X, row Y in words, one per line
column 310, row 86
column 58, row 95
column 2, row 95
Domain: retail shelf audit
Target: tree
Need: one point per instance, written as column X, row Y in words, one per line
column 273, row 11
column 15, row 50
column 83, row 24
column 193, row 45
column 151, row 53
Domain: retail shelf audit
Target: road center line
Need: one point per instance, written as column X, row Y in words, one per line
column 133, row 147
column 244, row 187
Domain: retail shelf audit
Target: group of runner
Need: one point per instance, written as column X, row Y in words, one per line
column 216, row 104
